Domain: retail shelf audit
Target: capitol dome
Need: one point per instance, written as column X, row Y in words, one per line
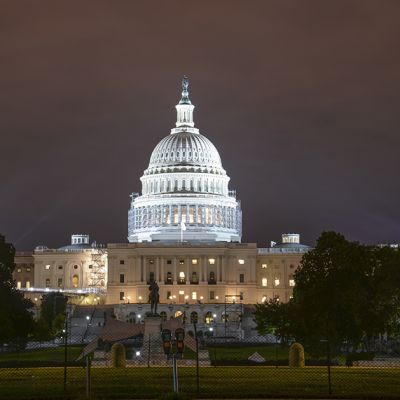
column 185, row 149
column 185, row 191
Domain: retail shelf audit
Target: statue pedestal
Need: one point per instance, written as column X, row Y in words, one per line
column 152, row 325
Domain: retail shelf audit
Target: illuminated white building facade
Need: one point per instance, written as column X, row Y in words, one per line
column 79, row 267
column 184, row 232
column 185, row 189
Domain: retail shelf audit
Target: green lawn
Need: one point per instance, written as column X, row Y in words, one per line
column 45, row 354
column 244, row 352
column 244, row 382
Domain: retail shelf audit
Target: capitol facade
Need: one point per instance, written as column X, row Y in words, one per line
column 184, row 232
column 185, row 192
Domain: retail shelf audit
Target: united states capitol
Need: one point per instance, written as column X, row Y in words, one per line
column 185, row 233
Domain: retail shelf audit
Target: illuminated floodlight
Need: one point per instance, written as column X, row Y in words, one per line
column 137, row 354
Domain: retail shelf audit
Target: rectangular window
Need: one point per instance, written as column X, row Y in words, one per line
column 194, row 261
column 19, row 270
column 169, row 261
column 212, row 295
column 169, row 297
column 19, row 285
column 241, row 295
column 122, row 295
column 276, row 281
column 122, row 262
column 241, row 278
column 28, row 284
column 181, row 262
column 291, row 282
column 28, row 269
column 241, row 261
column 211, row 261
column 47, row 267
column 194, row 295
column 121, row 278
column 59, row 282
column 263, row 266
column 264, row 282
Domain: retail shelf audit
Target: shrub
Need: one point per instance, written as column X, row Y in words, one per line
column 362, row 356
column 296, row 355
column 118, row 356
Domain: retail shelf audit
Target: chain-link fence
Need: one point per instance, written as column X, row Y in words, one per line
column 117, row 359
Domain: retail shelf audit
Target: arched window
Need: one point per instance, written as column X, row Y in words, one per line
column 178, row 314
column 208, row 318
column 75, row 281
column 194, row 317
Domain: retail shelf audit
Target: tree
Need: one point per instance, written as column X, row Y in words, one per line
column 16, row 321
column 349, row 292
column 277, row 318
column 344, row 292
column 52, row 311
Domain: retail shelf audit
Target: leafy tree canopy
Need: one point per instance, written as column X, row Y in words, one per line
column 52, row 311
column 344, row 292
column 16, row 320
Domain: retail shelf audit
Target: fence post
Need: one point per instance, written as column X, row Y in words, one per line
column 197, row 358
column 328, row 354
column 88, row 377
column 65, row 350
column 149, row 352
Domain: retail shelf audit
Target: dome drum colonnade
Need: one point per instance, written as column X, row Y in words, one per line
column 185, row 186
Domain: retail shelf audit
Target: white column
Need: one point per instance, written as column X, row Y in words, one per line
column 162, row 278
column 187, row 271
column 223, row 266
column 175, row 280
column 157, row 269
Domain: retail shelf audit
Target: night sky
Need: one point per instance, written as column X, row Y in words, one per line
column 301, row 98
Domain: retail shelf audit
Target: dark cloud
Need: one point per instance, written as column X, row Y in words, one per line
column 300, row 98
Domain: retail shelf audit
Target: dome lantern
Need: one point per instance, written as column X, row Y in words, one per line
column 185, row 108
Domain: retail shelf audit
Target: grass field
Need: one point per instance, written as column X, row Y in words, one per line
column 244, row 352
column 45, row 354
column 234, row 382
